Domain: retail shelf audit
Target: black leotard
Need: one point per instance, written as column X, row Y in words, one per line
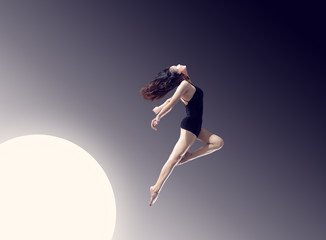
column 194, row 110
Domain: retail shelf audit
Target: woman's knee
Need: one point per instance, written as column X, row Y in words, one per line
column 216, row 141
column 175, row 157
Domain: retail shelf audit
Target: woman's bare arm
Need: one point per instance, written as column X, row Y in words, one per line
column 170, row 104
column 157, row 109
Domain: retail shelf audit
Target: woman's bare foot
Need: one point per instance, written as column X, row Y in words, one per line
column 185, row 158
column 154, row 195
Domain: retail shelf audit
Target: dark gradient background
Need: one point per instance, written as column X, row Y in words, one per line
column 73, row 69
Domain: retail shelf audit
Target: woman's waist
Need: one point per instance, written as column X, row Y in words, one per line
column 194, row 112
column 197, row 116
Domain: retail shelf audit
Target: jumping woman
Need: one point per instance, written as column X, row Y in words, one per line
column 191, row 125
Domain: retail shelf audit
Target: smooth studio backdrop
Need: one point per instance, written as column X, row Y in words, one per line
column 73, row 69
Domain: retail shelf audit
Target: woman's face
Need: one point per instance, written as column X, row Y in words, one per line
column 179, row 69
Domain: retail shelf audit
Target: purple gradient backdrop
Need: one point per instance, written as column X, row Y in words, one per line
column 73, row 69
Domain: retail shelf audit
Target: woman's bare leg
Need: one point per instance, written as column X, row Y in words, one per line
column 212, row 144
column 184, row 143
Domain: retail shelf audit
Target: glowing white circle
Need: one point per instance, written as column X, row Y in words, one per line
column 52, row 189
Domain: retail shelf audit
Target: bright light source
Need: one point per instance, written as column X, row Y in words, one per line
column 51, row 189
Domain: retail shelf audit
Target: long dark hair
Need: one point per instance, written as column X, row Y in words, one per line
column 163, row 83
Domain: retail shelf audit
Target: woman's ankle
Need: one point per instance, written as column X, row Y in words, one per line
column 155, row 189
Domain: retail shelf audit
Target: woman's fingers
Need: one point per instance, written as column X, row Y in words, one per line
column 153, row 124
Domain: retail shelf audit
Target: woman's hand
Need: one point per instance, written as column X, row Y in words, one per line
column 155, row 122
column 156, row 110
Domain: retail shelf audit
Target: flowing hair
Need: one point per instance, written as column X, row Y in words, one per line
column 163, row 83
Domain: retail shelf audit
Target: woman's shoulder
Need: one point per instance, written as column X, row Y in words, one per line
column 186, row 82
